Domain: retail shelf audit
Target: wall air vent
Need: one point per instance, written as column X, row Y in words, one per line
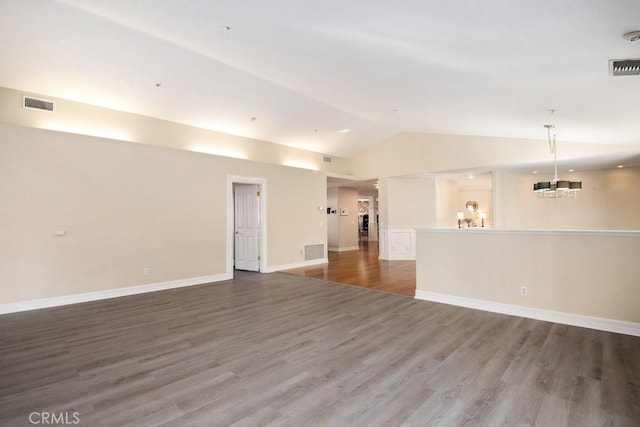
column 312, row 252
column 37, row 104
column 326, row 159
column 624, row 67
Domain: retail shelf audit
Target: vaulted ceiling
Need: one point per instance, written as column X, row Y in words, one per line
column 336, row 76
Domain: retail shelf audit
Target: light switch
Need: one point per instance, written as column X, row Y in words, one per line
column 59, row 232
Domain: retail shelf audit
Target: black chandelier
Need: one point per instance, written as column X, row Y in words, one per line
column 556, row 188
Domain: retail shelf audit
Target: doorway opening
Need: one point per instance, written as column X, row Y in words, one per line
column 246, row 220
column 352, row 213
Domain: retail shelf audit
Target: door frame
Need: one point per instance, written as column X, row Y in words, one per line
column 262, row 186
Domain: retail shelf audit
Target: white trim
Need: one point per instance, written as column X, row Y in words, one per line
column 617, row 233
column 302, row 264
column 599, row 323
column 389, row 251
column 392, row 257
column 262, row 182
column 14, row 307
column 343, row 249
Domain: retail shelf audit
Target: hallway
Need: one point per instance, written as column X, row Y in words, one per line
column 363, row 268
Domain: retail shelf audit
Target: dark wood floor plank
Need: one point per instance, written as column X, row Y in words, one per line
column 285, row 350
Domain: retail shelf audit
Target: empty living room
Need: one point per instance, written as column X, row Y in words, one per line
column 327, row 214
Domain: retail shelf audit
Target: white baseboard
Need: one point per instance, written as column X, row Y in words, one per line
column 15, row 307
column 301, row 264
column 343, row 249
column 609, row 325
column 393, row 257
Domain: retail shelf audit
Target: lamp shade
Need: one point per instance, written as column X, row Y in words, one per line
column 542, row 186
column 575, row 185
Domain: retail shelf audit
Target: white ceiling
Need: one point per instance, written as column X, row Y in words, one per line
column 308, row 70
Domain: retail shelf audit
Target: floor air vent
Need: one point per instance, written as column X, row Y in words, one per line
column 37, row 104
column 313, row 251
column 624, row 67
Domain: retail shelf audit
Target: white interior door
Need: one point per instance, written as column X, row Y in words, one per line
column 247, row 226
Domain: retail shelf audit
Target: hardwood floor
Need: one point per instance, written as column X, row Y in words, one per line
column 363, row 268
column 284, row 350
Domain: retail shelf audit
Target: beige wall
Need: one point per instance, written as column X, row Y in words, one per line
column 74, row 117
column 409, row 202
column 588, row 274
column 415, row 153
column 152, row 203
column 383, row 203
column 446, row 203
column 127, row 206
column 333, row 226
column 405, row 203
column 347, row 225
column 609, row 200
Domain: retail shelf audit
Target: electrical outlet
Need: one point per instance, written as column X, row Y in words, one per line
column 146, row 271
column 524, row 291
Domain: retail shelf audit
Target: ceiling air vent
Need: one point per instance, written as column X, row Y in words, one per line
column 624, row 67
column 37, row 104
